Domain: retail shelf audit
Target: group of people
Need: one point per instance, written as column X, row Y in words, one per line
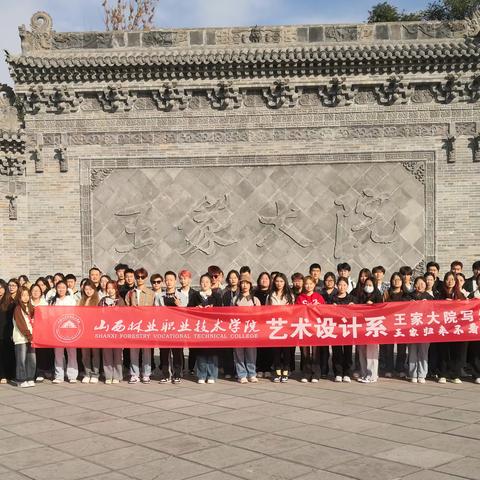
column 25, row 365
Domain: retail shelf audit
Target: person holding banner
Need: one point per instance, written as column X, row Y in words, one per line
column 310, row 354
column 451, row 355
column 245, row 358
column 112, row 357
column 281, row 294
column 140, row 296
column 206, row 364
column 22, row 338
column 229, row 294
column 90, row 356
column 63, row 298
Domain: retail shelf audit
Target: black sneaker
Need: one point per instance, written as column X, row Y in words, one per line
column 276, row 379
column 164, row 380
column 176, row 380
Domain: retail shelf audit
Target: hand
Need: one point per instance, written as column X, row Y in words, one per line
column 178, row 303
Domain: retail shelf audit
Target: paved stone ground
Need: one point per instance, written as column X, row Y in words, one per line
column 225, row 431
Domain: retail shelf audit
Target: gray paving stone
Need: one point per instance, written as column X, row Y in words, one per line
column 86, row 418
column 348, row 424
column 450, row 443
column 430, row 475
column 66, row 470
column 466, row 467
column 92, row 445
column 307, row 416
column 323, row 475
column 313, row 433
column 227, row 433
column 39, row 426
column 144, row 434
column 16, row 444
column 418, row 456
column 60, row 436
column 470, row 431
column 113, row 425
column 457, row 415
column 221, row 456
column 110, row 476
column 269, row 468
column 270, row 444
column 159, row 417
column 432, row 424
column 125, row 457
column 34, row 457
column 398, row 433
column 190, row 425
column 270, row 424
column 373, row 469
column 182, row 444
column 362, row 444
column 171, row 468
column 217, row 475
column 16, row 418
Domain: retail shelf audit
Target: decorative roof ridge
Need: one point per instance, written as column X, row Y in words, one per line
column 42, row 37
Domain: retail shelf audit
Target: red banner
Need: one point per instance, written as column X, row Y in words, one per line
column 269, row 326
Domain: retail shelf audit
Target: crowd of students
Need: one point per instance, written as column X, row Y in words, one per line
column 25, row 365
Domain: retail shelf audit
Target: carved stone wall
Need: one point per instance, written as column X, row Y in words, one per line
column 272, row 146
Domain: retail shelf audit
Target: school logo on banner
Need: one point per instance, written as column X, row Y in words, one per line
column 68, row 328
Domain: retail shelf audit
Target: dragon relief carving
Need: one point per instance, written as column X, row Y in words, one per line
column 280, row 94
column 337, row 93
column 224, row 96
column 168, row 97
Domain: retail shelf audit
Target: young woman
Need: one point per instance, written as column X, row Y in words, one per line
column 418, row 352
column 474, row 347
column 281, row 295
column 44, row 356
column 245, row 358
column 430, row 286
column 13, row 286
column 264, row 354
column 62, row 298
column 451, row 355
column 7, row 349
column 310, row 355
column 206, row 364
column 112, row 357
column 368, row 354
column 102, row 286
column 328, row 291
column 396, row 293
column 22, row 338
column 229, row 294
column 460, row 277
column 23, row 281
column 43, row 284
column 342, row 354
column 90, row 356
column 362, row 278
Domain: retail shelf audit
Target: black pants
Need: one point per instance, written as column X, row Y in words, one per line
column 310, row 362
column 192, row 358
column 324, row 356
column 451, row 356
column 474, row 358
column 342, row 360
column 292, row 358
column 177, row 361
column 7, row 358
column 226, row 361
column 433, row 360
column 45, row 360
column 264, row 359
column 388, row 364
column 281, row 358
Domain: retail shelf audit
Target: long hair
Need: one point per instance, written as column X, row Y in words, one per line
column 456, row 292
column 259, row 278
column 94, row 299
column 6, row 300
column 287, row 291
column 359, row 288
column 28, row 307
column 390, row 292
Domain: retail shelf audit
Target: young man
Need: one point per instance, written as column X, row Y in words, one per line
column 344, row 270
column 456, row 267
column 245, row 273
column 129, row 283
column 315, row 273
column 94, row 275
column 71, row 280
column 471, row 283
column 379, row 275
column 406, row 272
column 216, row 274
column 171, row 298
column 297, row 284
column 120, row 272
column 140, row 296
column 434, row 269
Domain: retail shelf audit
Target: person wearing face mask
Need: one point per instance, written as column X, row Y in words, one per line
column 368, row 354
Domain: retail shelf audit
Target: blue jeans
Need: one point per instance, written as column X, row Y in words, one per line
column 245, row 360
column 206, row 365
column 25, row 362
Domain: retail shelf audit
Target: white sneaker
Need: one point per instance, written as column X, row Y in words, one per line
column 56, row 381
column 338, row 378
column 477, row 380
column 414, row 380
column 72, row 380
column 422, row 380
column 94, row 380
column 388, row 375
column 39, row 379
column 346, row 379
column 228, row 376
column 108, row 381
column 253, row 379
column 442, row 380
column 31, row 383
column 201, row 381
column 314, row 380
column 86, row 379
column 210, row 380
column 260, row 374
column 456, row 381
column 115, row 381
column 304, row 380
column 23, row 384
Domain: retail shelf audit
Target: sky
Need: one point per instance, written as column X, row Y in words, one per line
column 84, row 15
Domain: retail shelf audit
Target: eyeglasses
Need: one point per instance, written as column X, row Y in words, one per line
column 157, row 281
column 140, row 277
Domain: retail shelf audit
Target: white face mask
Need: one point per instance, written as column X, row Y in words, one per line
column 368, row 289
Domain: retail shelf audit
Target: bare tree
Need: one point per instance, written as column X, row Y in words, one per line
column 129, row 14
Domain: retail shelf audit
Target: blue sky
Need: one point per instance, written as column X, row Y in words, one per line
column 80, row 15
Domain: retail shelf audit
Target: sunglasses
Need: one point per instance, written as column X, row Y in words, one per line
column 157, row 281
column 215, row 275
column 140, row 277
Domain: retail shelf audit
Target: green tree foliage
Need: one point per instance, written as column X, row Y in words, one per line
column 385, row 12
